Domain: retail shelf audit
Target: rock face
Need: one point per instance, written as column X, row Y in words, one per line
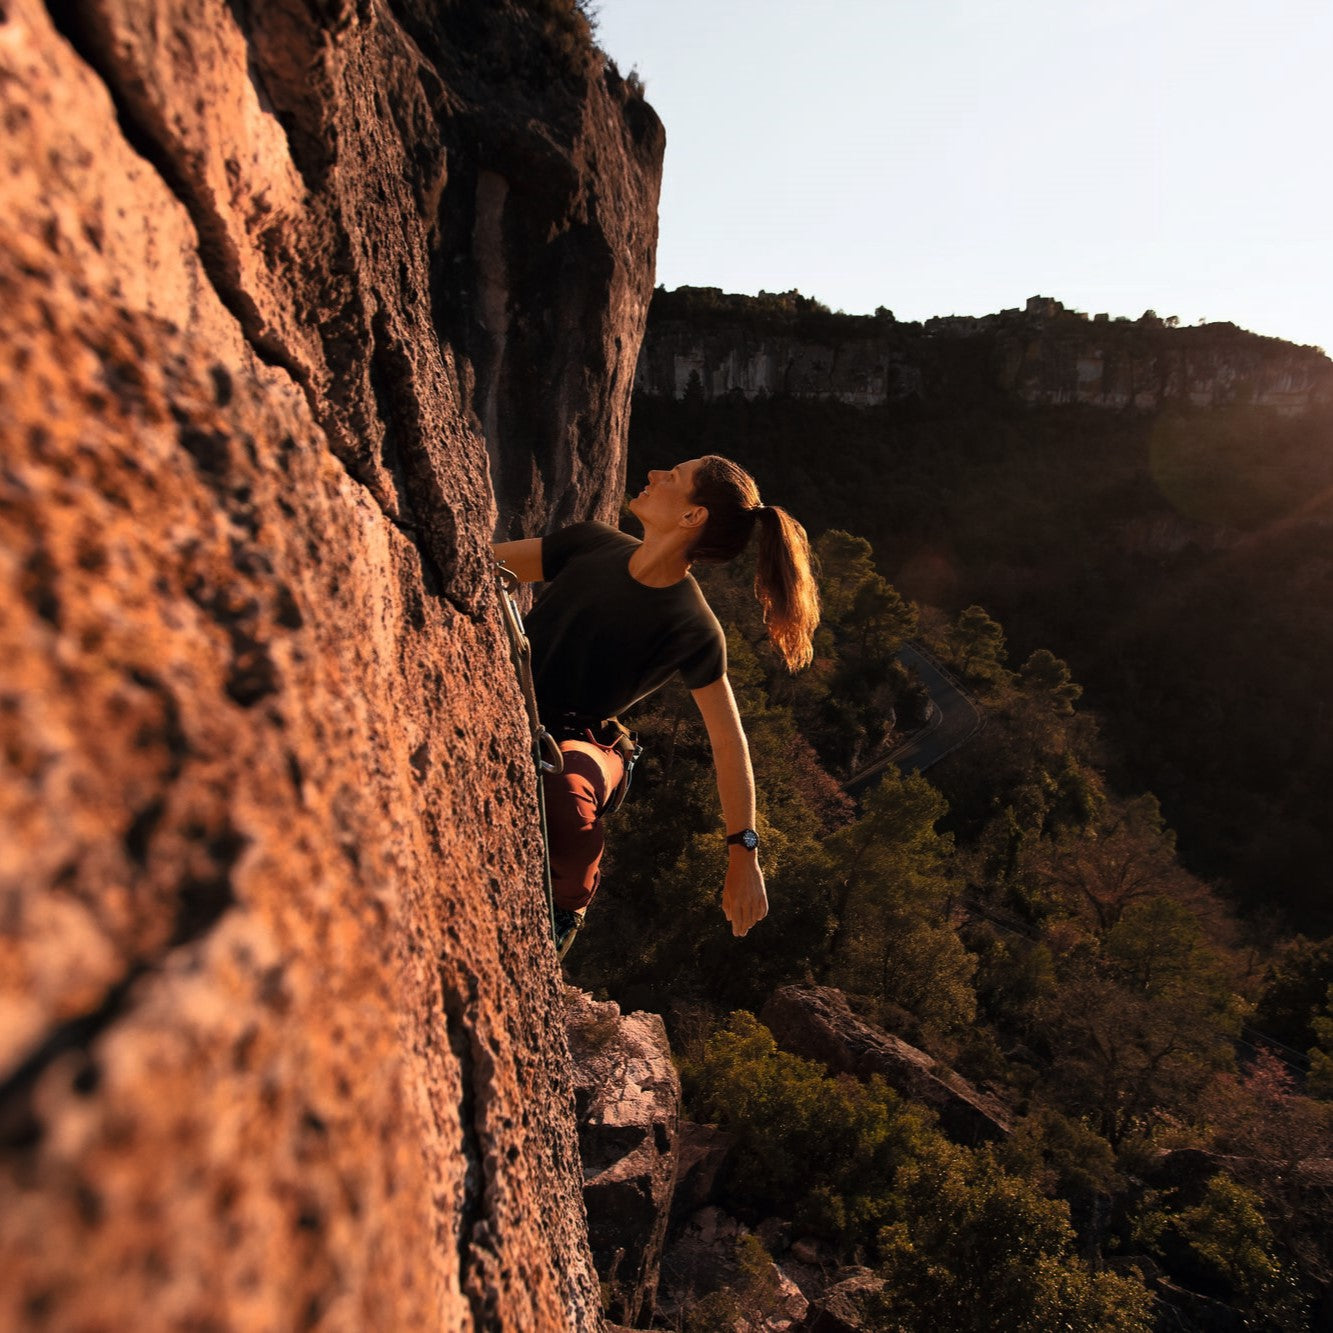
column 283, row 290
column 708, row 1275
column 788, row 345
column 847, row 1304
column 627, row 1096
column 701, row 1152
column 815, row 1022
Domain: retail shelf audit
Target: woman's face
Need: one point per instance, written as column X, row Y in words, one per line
column 667, row 501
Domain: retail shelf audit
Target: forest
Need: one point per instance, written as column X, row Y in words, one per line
column 1160, row 1034
column 1180, row 561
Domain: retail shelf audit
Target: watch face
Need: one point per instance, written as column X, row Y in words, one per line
column 749, row 839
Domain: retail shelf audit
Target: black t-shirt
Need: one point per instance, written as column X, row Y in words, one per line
column 601, row 640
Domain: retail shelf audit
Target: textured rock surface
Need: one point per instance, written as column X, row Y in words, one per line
column 748, row 1294
column 627, row 1096
column 847, row 1304
column 1042, row 354
column 815, row 1022
column 699, row 1260
column 280, row 1038
column 701, row 1151
column 1188, row 1171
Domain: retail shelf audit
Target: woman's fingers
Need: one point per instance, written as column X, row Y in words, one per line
column 744, row 901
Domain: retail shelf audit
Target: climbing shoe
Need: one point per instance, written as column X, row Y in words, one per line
column 567, row 924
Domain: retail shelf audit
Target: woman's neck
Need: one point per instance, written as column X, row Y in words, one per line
column 662, row 559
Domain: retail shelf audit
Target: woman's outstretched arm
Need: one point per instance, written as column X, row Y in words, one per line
column 524, row 557
column 744, row 899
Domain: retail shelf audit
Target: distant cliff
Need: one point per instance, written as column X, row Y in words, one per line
column 297, row 302
column 789, row 345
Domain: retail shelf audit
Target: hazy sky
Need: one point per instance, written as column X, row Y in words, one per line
column 958, row 156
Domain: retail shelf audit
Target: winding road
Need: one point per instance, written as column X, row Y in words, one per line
column 954, row 719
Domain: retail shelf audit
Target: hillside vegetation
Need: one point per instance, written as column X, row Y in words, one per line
column 1021, row 919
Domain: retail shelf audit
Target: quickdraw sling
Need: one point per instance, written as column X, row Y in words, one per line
column 546, row 754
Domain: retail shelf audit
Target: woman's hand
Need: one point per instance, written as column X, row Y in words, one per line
column 744, row 899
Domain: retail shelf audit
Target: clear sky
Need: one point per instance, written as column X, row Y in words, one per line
column 958, row 156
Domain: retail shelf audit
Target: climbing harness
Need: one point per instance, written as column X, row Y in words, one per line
column 612, row 734
column 546, row 754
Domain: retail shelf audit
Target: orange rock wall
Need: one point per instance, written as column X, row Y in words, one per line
column 280, row 1037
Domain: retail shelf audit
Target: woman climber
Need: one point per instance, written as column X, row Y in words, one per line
column 617, row 619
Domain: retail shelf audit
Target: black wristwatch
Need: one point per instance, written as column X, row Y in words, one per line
column 746, row 838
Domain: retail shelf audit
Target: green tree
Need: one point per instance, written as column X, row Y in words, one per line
column 963, row 1244
column 1296, row 983
column 976, row 643
column 1034, row 764
column 979, row 1249
column 866, row 624
column 844, row 563
column 1045, row 677
column 895, row 939
column 879, row 622
column 1223, row 1245
column 818, row 1149
column 1141, row 1020
column 862, row 605
column 1131, row 856
column 1063, row 1154
column 1015, row 979
column 1271, row 1131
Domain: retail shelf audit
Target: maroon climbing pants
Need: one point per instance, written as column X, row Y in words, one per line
column 575, row 800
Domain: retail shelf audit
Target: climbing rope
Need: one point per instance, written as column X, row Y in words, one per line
column 546, row 755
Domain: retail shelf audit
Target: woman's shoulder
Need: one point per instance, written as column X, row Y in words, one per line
column 563, row 545
column 590, row 530
column 693, row 596
column 589, row 536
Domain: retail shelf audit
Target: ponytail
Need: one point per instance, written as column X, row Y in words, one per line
column 785, row 586
column 783, row 582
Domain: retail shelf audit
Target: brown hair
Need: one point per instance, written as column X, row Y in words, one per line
column 783, row 581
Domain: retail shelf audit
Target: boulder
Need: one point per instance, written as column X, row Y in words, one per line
column 775, row 1233
column 817, row 1023
column 847, row 1304
column 785, row 1304
column 627, row 1103
column 701, row 1151
column 702, row 1265
column 810, row 1250
column 698, row 1260
column 1193, row 1310
column 1188, row 1171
